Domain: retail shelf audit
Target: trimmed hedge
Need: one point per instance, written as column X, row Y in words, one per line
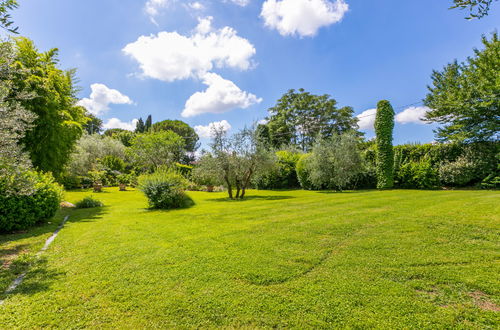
column 19, row 212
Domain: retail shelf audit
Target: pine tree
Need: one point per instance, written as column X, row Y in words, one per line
column 140, row 127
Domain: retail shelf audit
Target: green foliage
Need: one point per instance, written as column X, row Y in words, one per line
column 93, row 124
column 459, row 172
column 299, row 117
column 6, row 22
column 418, row 174
column 334, row 162
column 18, row 212
column 303, row 172
column 185, row 170
column 58, row 124
column 122, row 135
column 282, row 175
column 90, row 153
column 148, row 123
column 465, row 97
column 384, row 124
column 88, row 203
column 113, row 163
column 235, row 160
column 477, row 8
column 140, row 127
column 180, row 128
column 152, row 150
column 165, row 189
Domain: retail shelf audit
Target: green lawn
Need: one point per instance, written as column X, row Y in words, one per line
column 301, row 259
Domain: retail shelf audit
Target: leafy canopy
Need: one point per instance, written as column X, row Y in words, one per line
column 477, row 8
column 6, row 22
column 465, row 97
column 299, row 117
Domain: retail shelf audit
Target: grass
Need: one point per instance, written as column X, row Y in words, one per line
column 299, row 259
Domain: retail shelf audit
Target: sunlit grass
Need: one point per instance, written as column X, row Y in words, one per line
column 391, row 259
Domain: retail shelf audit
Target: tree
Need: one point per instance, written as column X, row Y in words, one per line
column 182, row 129
column 89, row 150
column 235, row 160
column 151, row 150
column 140, row 127
column 477, row 8
column 384, row 125
column 14, row 122
column 93, row 124
column 121, row 135
column 465, row 97
column 334, row 162
column 299, row 118
column 6, row 22
column 58, row 123
column 147, row 125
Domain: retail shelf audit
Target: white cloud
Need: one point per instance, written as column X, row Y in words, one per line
column 366, row 119
column 117, row 123
column 412, row 115
column 263, row 122
column 170, row 56
column 206, row 132
column 222, row 95
column 196, row 5
column 153, row 8
column 101, row 97
column 302, row 17
column 241, row 3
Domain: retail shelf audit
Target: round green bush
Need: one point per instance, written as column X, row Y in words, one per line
column 165, row 189
column 19, row 212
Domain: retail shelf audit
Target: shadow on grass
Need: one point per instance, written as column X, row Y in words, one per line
column 17, row 258
column 345, row 191
column 249, row 198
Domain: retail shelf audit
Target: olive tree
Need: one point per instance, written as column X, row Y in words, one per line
column 334, row 162
column 235, row 160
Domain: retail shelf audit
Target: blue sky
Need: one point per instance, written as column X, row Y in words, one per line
column 208, row 61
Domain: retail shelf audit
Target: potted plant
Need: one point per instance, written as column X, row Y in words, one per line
column 96, row 177
column 123, row 181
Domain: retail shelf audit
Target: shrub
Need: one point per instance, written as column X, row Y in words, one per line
column 282, row 175
column 165, row 189
column 303, row 172
column 88, row 203
column 18, row 212
column 418, row 174
column 457, row 173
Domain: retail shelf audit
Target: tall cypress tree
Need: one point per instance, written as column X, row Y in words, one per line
column 149, row 122
column 384, row 125
column 139, row 127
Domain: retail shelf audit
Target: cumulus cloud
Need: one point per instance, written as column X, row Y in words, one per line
column 117, row 123
column 206, row 132
column 412, row 115
column 302, row 17
column 169, row 56
column 366, row 119
column 222, row 95
column 101, row 97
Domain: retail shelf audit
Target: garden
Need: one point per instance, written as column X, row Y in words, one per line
column 295, row 221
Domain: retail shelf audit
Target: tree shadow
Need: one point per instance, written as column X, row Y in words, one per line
column 249, row 198
column 345, row 191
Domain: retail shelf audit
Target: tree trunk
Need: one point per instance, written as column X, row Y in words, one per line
column 229, row 188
